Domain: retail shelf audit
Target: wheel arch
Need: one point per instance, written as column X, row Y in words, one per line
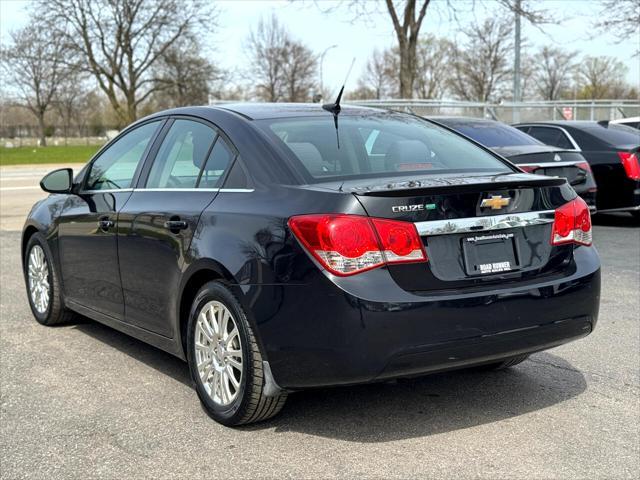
column 198, row 274
column 27, row 233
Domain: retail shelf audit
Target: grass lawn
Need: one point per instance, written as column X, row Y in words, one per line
column 53, row 154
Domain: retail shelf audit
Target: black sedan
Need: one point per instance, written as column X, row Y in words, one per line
column 528, row 153
column 282, row 247
column 611, row 150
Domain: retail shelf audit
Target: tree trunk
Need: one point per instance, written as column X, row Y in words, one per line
column 406, row 73
column 41, row 127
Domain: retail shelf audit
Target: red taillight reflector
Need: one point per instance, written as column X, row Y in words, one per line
column 572, row 224
column 350, row 244
column 529, row 168
column 584, row 166
column 630, row 164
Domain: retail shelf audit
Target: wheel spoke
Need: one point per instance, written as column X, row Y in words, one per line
column 208, row 366
column 231, row 336
column 235, row 363
column 206, row 332
column 232, row 377
column 224, row 323
column 214, row 321
column 234, row 354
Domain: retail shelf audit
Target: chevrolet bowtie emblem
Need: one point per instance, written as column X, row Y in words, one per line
column 496, row 202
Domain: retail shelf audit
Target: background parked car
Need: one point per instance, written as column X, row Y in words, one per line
column 629, row 122
column 610, row 149
column 528, row 153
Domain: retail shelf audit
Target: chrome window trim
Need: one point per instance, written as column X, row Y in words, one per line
column 484, row 224
column 107, row 190
column 576, row 148
column 190, row 189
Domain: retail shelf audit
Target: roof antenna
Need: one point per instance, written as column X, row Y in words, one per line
column 334, row 108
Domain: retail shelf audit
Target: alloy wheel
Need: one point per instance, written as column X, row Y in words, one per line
column 38, row 274
column 218, row 350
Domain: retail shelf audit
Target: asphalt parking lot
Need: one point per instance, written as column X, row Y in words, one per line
column 84, row 401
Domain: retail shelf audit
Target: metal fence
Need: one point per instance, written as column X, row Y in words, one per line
column 28, row 135
column 516, row 112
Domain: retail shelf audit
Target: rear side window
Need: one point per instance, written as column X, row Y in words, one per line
column 181, row 155
column 377, row 145
column 217, row 163
column 493, row 134
column 551, row 136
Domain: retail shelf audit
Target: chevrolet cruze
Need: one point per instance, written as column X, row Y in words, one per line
column 282, row 247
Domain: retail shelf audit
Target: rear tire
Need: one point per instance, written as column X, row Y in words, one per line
column 508, row 363
column 225, row 360
column 43, row 284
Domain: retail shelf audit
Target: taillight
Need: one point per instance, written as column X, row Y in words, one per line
column 529, row 168
column 572, row 224
column 350, row 244
column 630, row 164
column 584, row 166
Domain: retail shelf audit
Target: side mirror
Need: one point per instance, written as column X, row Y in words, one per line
column 58, row 181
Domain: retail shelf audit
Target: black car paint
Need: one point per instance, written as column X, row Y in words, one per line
column 314, row 328
column 534, row 152
column 615, row 190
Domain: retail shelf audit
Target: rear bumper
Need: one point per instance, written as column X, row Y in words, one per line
column 336, row 331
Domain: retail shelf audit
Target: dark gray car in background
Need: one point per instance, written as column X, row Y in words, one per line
column 527, row 153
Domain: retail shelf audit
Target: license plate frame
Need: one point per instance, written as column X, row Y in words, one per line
column 490, row 254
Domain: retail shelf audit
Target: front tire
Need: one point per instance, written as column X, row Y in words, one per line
column 225, row 360
column 43, row 284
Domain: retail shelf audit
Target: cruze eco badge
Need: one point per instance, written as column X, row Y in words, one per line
column 413, row 208
column 496, row 202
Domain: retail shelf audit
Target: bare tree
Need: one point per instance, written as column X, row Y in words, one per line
column 407, row 18
column 184, row 77
column 481, row 66
column 299, row 71
column 282, row 68
column 554, row 69
column 120, row 40
column 69, row 100
column 432, row 61
column 623, row 16
column 601, row 77
column 379, row 78
column 35, row 66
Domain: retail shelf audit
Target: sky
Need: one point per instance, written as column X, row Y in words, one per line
column 356, row 39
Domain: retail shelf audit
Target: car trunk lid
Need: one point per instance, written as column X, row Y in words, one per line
column 477, row 230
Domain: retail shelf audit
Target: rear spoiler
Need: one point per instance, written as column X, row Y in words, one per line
column 460, row 184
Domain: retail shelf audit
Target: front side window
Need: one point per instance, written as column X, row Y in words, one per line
column 115, row 168
column 181, row 155
column 377, row 145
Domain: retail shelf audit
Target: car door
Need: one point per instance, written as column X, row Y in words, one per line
column 87, row 224
column 157, row 223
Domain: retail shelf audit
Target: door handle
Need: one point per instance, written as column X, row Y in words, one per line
column 105, row 224
column 175, row 225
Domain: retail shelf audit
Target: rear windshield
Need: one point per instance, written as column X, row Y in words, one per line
column 492, row 134
column 615, row 135
column 377, row 145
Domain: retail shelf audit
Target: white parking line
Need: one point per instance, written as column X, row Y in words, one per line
column 7, row 189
